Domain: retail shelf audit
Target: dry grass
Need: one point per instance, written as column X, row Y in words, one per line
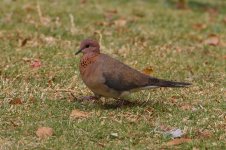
column 40, row 83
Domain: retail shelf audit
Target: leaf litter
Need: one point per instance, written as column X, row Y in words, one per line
column 148, row 70
column 16, row 101
column 212, row 40
column 44, row 132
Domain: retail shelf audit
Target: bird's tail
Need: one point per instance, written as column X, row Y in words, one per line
column 164, row 83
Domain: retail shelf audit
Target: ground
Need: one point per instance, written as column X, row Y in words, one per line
column 40, row 84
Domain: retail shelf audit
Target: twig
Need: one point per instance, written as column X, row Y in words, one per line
column 72, row 29
column 39, row 11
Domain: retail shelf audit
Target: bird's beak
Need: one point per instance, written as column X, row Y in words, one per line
column 79, row 51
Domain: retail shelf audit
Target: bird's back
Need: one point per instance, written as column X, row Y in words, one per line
column 120, row 76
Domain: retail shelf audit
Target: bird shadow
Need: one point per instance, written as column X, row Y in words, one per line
column 115, row 103
column 112, row 104
column 122, row 103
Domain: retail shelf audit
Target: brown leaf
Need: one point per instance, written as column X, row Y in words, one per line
column 212, row 40
column 36, row 63
column 44, row 132
column 224, row 57
column 112, row 11
column 110, row 14
column 224, row 20
column 83, row 1
column 186, row 106
column 78, row 114
column 29, row 7
column 199, row 26
column 16, row 101
column 120, row 22
column 24, row 42
column 149, row 70
column 181, row 4
column 178, row 141
column 103, row 23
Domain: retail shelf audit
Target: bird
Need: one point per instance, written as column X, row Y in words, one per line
column 108, row 77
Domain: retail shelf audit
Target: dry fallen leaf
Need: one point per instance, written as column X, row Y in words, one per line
column 83, row 1
column 44, row 132
column 36, row 63
column 186, row 106
column 120, row 22
column 110, row 14
column 78, row 114
column 181, row 4
column 15, row 101
column 199, row 26
column 103, row 23
column 178, row 141
column 29, row 7
column 149, row 70
column 112, row 11
column 212, row 40
column 224, row 20
column 23, row 42
column 224, row 57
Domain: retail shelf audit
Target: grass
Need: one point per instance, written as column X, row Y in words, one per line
column 139, row 33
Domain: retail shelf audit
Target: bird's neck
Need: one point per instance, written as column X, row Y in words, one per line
column 88, row 59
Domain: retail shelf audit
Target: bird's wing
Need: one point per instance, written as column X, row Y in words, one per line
column 121, row 77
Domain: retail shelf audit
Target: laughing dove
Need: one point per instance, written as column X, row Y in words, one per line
column 108, row 77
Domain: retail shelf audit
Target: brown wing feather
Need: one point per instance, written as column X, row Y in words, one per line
column 121, row 77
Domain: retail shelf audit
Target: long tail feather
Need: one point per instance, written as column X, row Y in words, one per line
column 164, row 83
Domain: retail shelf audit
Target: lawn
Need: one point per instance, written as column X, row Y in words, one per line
column 40, row 84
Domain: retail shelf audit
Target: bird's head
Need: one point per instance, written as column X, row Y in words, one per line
column 89, row 45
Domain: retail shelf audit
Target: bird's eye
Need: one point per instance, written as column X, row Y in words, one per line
column 87, row 46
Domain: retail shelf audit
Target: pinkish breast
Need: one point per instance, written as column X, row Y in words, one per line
column 86, row 60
